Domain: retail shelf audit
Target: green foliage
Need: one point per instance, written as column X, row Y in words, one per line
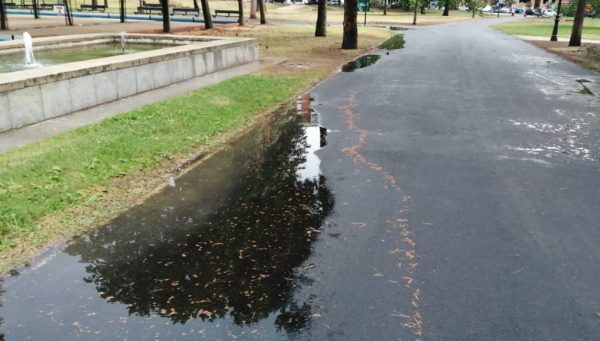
column 571, row 9
column 50, row 176
column 475, row 4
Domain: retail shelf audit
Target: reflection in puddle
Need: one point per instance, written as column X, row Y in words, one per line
column 360, row 62
column 217, row 254
column 316, row 138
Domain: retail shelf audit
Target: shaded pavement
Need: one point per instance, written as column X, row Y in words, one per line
column 454, row 195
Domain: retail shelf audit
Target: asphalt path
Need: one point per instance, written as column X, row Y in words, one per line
column 466, row 174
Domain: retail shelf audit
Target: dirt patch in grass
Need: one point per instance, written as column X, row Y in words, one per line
column 301, row 50
column 579, row 55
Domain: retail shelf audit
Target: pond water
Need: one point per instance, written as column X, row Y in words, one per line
column 216, row 255
column 15, row 62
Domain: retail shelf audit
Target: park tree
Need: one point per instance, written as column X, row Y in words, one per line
column 446, row 8
column 165, row 16
column 68, row 13
column 36, row 10
column 122, row 10
column 241, row 10
column 261, row 8
column 577, row 24
column 3, row 17
column 350, row 35
column 415, row 7
column 321, row 27
column 208, row 24
column 424, row 4
column 253, row 8
column 474, row 5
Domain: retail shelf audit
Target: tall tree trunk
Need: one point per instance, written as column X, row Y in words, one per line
column 165, row 16
column 196, row 6
column 241, row 10
column 423, row 7
column 350, row 37
column 208, row 24
column 253, row 8
column 36, row 10
column 321, row 29
column 94, row 3
column 446, row 8
column 122, row 10
column 261, row 8
column 415, row 6
column 68, row 14
column 3, row 18
column 385, row 4
column 578, row 24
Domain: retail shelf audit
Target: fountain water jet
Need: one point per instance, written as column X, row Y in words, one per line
column 123, row 41
column 29, row 58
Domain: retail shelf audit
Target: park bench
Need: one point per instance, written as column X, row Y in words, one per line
column 39, row 6
column 91, row 8
column 10, row 5
column 148, row 8
column 185, row 10
column 226, row 11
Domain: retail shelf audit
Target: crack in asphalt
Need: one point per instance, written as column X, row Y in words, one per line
column 414, row 320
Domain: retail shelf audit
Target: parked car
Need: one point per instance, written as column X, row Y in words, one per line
column 537, row 12
column 549, row 13
column 463, row 8
column 517, row 10
column 487, row 8
column 504, row 10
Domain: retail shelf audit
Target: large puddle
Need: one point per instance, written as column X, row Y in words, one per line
column 360, row 62
column 216, row 255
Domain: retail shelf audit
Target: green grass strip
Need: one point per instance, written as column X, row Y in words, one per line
column 47, row 177
column 543, row 28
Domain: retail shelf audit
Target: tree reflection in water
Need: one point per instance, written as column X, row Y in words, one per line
column 238, row 260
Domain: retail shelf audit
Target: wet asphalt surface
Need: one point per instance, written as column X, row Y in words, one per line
column 451, row 192
column 494, row 147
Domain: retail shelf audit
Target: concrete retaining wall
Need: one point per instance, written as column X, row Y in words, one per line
column 35, row 95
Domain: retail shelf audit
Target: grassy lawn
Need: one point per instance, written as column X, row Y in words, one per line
column 543, row 28
column 375, row 16
column 66, row 185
